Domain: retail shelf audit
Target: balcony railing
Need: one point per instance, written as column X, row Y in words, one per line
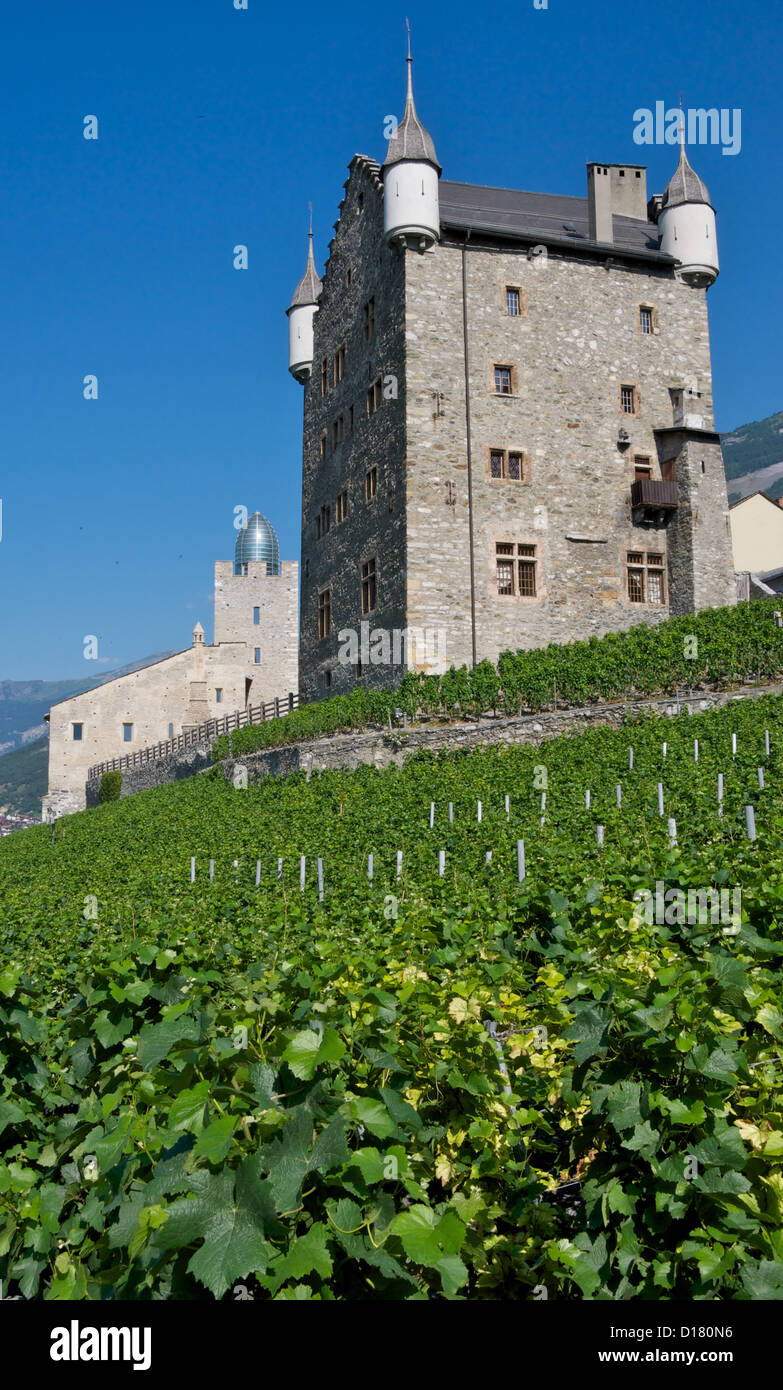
column 654, row 493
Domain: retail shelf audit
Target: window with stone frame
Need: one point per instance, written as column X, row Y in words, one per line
column 503, row 378
column 513, row 301
column 338, row 430
column 516, row 564
column 628, row 400
column 323, row 522
column 646, row 318
column 338, row 365
column 642, row 467
column 646, row 582
column 508, row 464
column 341, row 506
column 324, row 376
column 369, row 320
column 374, row 396
column 322, row 445
column 370, row 483
column 369, row 578
column 324, row 613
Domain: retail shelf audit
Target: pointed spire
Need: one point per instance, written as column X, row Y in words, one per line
column 309, row 287
column 410, row 140
column 684, row 186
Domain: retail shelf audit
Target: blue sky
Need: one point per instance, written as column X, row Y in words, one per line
column 216, row 127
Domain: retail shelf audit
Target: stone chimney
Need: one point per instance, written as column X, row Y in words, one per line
column 619, row 189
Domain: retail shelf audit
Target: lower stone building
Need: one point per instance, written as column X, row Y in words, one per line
column 252, row 660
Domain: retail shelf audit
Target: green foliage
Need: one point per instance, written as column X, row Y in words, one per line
column 111, row 785
column 719, row 646
column 218, row 1084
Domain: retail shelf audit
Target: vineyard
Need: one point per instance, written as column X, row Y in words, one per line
column 454, row 1030
column 717, row 647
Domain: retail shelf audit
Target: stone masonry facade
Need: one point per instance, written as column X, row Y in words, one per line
column 575, row 343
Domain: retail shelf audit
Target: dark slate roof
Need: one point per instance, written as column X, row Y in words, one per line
column 309, row 287
column 684, row 186
column 545, row 217
column 410, row 140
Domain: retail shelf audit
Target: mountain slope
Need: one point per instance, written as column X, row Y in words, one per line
column 753, row 457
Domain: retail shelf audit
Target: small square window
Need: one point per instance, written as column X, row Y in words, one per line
column 78, row 730
column 502, row 381
column 256, row 616
column 642, row 467
column 496, row 464
column 127, row 733
column 257, row 656
column 628, row 400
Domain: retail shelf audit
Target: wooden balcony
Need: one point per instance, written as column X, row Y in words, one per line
column 652, row 492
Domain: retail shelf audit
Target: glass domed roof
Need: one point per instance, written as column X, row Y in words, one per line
column 257, row 541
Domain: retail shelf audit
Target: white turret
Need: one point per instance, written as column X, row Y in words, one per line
column 686, row 223
column 301, row 312
column 411, row 215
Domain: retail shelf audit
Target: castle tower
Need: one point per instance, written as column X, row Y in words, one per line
column 256, row 606
column 411, row 171
column 686, row 223
column 301, row 312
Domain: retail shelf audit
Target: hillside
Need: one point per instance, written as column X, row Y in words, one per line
column 494, row 1049
column 753, row 458
column 23, row 704
column 23, row 778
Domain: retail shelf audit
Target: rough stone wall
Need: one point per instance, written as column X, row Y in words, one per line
column 379, row 749
column 701, row 573
column 276, row 633
column 371, row 528
column 576, row 342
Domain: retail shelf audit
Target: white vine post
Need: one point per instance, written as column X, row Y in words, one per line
column 520, row 860
column 370, row 867
column 672, row 824
column 302, row 872
column 660, row 798
column 441, row 862
column 720, row 793
column 320, row 880
column 750, row 822
column 399, row 863
column 192, row 870
column 432, row 814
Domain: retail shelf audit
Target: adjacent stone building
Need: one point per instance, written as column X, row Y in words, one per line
column 508, row 430
column 253, row 660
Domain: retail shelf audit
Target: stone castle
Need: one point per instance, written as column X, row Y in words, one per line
column 508, row 440
column 508, row 423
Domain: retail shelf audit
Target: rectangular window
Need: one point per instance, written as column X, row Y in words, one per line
column 339, row 364
column 628, row 399
column 324, row 376
column 324, row 613
column 78, row 730
column 219, row 696
column 369, row 577
column 516, row 569
column 256, row 616
column 369, row 320
column 338, row 431
column 646, row 577
column 127, row 733
column 350, row 419
column 502, row 381
column 323, row 445
column 512, row 300
column 257, row 656
column 341, row 506
column 171, row 730
column 322, row 522
column 642, row 468
column 370, row 484
column 328, row 679
column 374, row 396
column 646, row 319
column 507, row 465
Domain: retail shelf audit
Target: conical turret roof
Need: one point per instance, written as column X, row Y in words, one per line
column 684, row 186
column 310, row 285
column 410, row 140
